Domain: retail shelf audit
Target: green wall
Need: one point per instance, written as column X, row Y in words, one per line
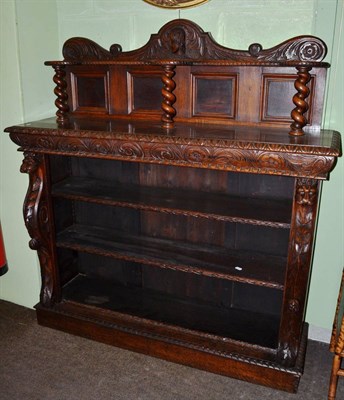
column 29, row 34
column 34, row 31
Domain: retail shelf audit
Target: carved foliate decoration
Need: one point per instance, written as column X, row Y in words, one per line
column 294, row 305
column 78, row 48
column 185, row 41
column 306, row 199
column 306, row 194
column 300, row 252
column 165, row 150
column 302, row 48
column 37, row 221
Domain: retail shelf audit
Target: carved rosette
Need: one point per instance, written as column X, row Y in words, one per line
column 61, row 93
column 299, row 100
column 168, row 97
column 301, row 48
column 300, row 253
column 37, row 222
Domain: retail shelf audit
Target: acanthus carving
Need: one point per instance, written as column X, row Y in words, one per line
column 21, row 135
column 306, row 194
column 186, row 154
column 300, row 252
column 182, row 39
column 79, row 49
column 37, row 222
column 306, row 198
column 301, row 48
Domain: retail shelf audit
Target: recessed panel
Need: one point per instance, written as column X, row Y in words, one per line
column 145, row 93
column 214, row 95
column 278, row 96
column 90, row 92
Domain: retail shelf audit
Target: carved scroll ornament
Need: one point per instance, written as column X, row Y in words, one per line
column 37, row 222
column 182, row 152
column 184, row 40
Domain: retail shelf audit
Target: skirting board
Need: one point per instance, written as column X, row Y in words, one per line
column 319, row 334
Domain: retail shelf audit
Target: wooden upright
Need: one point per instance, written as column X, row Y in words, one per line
column 173, row 200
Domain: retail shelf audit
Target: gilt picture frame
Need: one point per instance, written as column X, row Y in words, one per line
column 175, row 3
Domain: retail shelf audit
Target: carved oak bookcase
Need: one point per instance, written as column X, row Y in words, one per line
column 185, row 233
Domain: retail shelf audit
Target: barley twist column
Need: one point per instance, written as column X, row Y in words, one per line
column 297, row 114
column 61, row 93
column 168, row 97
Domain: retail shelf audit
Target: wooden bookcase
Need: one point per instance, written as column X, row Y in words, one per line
column 185, row 233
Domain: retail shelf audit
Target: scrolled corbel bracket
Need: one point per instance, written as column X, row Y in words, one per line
column 36, row 219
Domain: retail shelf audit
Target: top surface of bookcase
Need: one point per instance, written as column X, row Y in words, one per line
column 183, row 75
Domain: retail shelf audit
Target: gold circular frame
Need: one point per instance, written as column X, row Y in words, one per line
column 175, row 3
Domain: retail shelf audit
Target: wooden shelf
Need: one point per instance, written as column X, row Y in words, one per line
column 213, row 261
column 216, row 206
column 183, row 312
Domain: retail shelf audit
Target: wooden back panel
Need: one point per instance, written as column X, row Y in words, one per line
column 228, row 94
column 184, row 72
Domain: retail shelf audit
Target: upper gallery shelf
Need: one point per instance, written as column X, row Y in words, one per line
column 184, row 72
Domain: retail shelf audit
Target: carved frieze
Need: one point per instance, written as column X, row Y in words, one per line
column 185, row 154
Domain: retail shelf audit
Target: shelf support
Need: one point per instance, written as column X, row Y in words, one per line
column 168, row 97
column 299, row 99
column 37, row 220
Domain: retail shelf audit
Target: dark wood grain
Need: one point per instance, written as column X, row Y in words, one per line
column 254, row 268
column 234, row 365
column 172, row 212
column 273, row 213
column 197, row 316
